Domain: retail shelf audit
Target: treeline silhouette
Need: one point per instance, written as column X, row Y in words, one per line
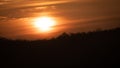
column 98, row 47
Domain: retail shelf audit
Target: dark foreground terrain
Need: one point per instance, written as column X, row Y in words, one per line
column 99, row 47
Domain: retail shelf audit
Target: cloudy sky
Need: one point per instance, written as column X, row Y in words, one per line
column 16, row 16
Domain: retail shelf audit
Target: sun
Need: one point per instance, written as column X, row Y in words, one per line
column 44, row 24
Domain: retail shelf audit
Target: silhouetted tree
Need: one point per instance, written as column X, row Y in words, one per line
column 99, row 47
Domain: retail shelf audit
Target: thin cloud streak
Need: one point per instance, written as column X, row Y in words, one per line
column 23, row 4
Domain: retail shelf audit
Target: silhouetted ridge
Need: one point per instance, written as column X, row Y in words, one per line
column 99, row 47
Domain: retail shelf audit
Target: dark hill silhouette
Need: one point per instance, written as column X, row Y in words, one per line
column 99, row 47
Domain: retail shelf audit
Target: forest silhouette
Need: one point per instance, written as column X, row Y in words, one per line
column 97, row 47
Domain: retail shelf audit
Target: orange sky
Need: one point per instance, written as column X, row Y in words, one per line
column 16, row 16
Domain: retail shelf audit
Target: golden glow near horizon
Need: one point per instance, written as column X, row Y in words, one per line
column 44, row 24
column 38, row 19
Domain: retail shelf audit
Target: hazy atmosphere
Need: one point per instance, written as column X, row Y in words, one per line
column 20, row 19
column 60, row 33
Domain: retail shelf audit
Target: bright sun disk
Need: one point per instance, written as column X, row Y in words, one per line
column 44, row 23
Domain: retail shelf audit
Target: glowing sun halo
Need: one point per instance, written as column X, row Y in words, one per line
column 44, row 23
